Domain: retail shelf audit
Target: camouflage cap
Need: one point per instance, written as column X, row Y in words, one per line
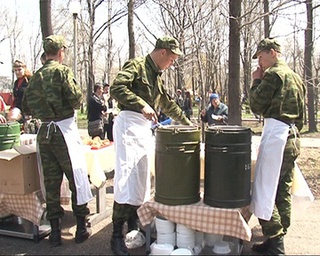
column 170, row 43
column 53, row 43
column 266, row 45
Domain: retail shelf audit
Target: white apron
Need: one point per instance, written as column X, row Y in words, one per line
column 268, row 166
column 133, row 148
column 72, row 137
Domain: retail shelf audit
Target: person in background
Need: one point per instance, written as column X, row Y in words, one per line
column 2, row 119
column 139, row 91
column 179, row 98
column 108, row 118
column 96, row 110
column 23, row 76
column 43, row 58
column 216, row 113
column 278, row 94
column 187, row 105
column 3, row 105
column 52, row 96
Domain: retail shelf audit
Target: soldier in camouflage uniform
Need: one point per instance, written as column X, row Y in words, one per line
column 52, row 96
column 139, row 91
column 277, row 94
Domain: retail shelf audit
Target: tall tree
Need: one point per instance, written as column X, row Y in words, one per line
column 234, row 63
column 45, row 18
column 266, row 19
column 132, row 50
column 308, row 66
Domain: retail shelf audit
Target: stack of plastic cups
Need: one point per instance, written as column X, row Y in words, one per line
column 185, row 237
column 165, row 231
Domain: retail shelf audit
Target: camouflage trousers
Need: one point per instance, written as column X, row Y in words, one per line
column 281, row 215
column 124, row 212
column 56, row 162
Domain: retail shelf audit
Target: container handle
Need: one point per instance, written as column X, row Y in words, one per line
column 178, row 148
column 218, row 149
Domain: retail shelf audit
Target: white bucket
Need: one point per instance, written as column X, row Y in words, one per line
column 182, row 229
column 181, row 251
column 166, row 238
column 164, row 226
column 186, row 240
column 161, row 249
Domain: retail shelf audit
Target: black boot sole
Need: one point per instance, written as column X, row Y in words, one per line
column 82, row 237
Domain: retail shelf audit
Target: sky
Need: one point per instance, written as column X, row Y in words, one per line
column 28, row 7
column 29, row 14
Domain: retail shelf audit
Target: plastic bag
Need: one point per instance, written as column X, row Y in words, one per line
column 302, row 196
column 134, row 239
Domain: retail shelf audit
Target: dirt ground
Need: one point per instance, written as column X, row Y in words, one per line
column 309, row 163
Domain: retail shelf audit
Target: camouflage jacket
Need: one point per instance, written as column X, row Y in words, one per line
column 280, row 94
column 53, row 93
column 139, row 83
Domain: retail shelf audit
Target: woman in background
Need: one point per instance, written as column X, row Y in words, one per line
column 23, row 76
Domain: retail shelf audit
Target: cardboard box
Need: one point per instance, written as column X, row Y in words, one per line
column 18, row 172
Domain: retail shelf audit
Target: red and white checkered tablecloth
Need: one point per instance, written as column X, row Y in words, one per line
column 29, row 206
column 201, row 217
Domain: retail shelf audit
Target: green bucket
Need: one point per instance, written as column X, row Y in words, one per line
column 177, row 165
column 9, row 135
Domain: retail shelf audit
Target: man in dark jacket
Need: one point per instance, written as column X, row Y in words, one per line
column 96, row 109
column 216, row 113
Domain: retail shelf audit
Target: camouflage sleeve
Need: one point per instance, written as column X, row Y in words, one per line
column 262, row 91
column 125, row 91
column 72, row 89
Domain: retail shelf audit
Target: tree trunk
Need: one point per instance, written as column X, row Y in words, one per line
column 45, row 18
column 266, row 18
column 234, row 115
column 91, row 78
column 132, row 49
column 308, row 67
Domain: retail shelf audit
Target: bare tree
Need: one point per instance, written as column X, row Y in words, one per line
column 234, row 63
column 308, row 66
column 132, row 49
column 45, row 18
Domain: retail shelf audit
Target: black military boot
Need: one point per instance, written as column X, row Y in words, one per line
column 276, row 246
column 261, row 247
column 133, row 223
column 272, row 246
column 55, row 235
column 82, row 232
column 117, row 244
